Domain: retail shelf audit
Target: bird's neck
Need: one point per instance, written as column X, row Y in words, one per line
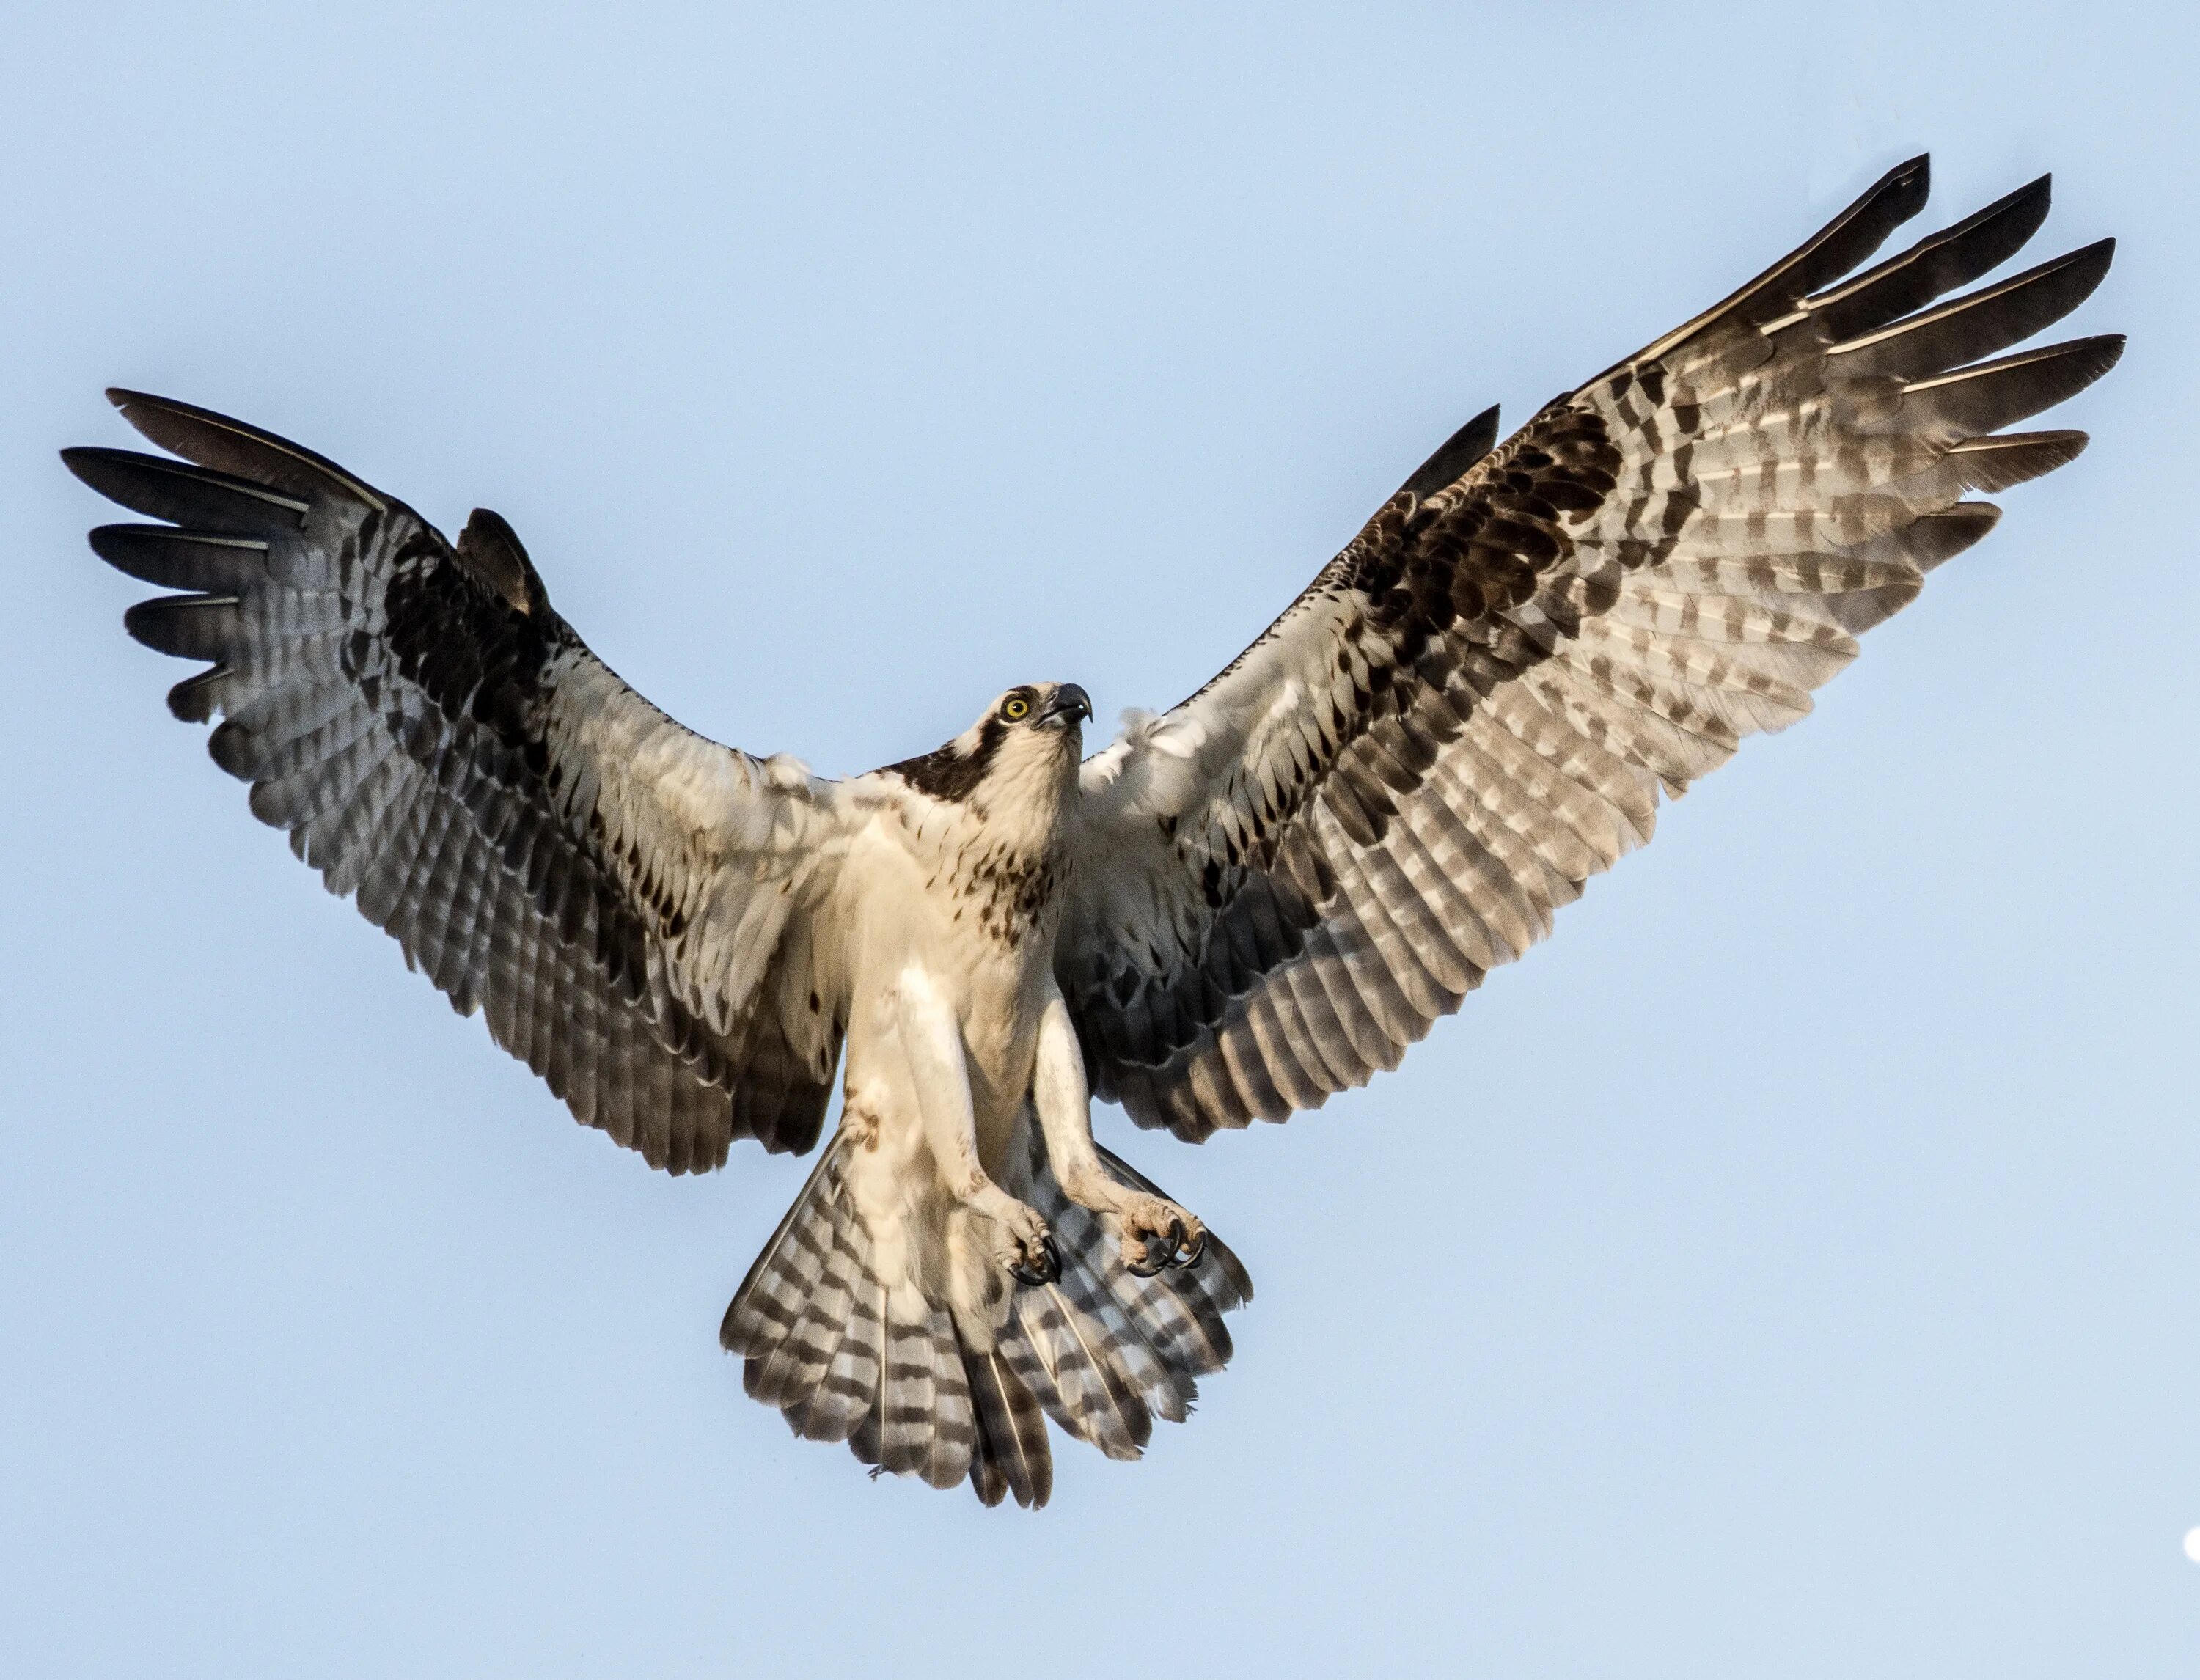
column 1002, row 863
column 1023, row 806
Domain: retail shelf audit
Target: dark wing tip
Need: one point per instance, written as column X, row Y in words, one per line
column 1914, row 175
column 184, row 493
column 1882, row 207
column 1455, row 455
column 230, row 446
column 1834, row 250
column 1938, row 537
column 112, row 473
column 2081, row 272
column 141, row 407
column 2002, row 460
column 1888, row 203
column 2022, row 213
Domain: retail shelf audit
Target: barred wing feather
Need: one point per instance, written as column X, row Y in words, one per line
column 1284, row 883
column 627, row 903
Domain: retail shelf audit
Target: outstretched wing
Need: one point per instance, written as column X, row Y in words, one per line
column 629, row 903
column 1283, row 882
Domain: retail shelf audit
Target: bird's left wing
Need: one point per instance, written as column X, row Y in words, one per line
column 629, row 904
column 1283, row 882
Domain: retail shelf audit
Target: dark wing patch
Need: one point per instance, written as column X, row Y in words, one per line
column 1285, row 882
column 953, row 772
column 440, row 745
column 490, row 549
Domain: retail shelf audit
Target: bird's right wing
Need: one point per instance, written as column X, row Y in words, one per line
column 629, row 904
column 1286, row 881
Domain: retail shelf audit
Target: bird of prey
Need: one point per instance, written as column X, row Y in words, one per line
column 1241, row 906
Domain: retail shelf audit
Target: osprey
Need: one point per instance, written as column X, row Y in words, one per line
column 1241, row 906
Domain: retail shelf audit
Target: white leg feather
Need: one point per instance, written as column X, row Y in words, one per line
column 1153, row 1229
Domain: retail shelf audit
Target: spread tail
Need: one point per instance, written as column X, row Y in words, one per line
column 847, row 1354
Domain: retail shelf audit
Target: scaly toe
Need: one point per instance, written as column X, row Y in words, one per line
column 1156, row 1249
column 1033, row 1273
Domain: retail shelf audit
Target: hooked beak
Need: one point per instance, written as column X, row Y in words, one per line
column 1070, row 702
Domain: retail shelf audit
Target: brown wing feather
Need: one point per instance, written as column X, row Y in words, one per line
column 1286, row 881
column 546, row 847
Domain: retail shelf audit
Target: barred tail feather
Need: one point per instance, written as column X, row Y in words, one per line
column 1102, row 1350
column 848, row 1354
column 1011, row 1455
column 925, row 1423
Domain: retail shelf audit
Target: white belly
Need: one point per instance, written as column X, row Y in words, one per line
column 908, row 925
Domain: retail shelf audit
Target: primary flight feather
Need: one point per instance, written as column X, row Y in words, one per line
column 1241, row 906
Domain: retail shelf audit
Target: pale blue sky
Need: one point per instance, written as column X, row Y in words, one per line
column 1791, row 1269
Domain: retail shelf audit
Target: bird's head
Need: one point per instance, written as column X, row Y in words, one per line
column 1056, row 710
column 1027, row 743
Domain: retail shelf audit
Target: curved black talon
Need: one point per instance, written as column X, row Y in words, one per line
column 1190, row 1256
column 1049, row 1269
column 1161, row 1251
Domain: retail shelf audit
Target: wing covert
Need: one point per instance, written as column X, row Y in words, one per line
column 629, row 905
column 1286, row 880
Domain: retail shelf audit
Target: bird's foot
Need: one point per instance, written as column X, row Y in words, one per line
column 1029, row 1256
column 1157, row 1233
column 861, row 1126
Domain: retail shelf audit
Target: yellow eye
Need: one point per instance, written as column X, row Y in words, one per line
column 1016, row 710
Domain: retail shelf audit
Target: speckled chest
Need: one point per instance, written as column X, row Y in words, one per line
column 1010, row 895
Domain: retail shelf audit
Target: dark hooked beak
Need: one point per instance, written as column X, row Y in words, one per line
column 1070, row 702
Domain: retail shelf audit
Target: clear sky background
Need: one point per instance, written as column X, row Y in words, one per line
column 1792, row 1269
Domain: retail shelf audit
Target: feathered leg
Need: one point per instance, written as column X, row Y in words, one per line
column 940, row 1078
column 851, row 1342
column 1154, row 1231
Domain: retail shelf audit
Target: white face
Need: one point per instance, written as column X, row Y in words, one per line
column 1029, row 741
column 1023, row 751
column 1038, row 708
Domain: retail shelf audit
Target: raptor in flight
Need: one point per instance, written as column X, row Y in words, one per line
column 1241, row 906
